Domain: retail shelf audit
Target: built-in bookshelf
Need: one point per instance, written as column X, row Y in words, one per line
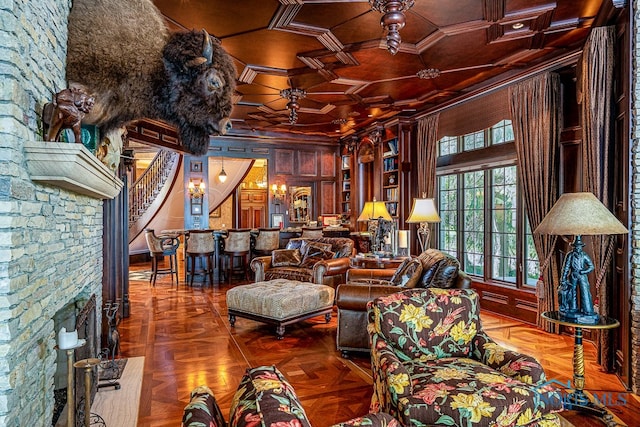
column 390, row 177
column 345, row 170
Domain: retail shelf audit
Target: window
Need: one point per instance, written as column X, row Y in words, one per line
column 532, row 263
column 473, row 141
column 503, row 223
column 473, row 222
column 448, row 145
column 501, row 132
column 448, row 214
column 483, row 222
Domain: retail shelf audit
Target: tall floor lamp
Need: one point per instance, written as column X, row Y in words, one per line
column 579, row 214
column 423, row 212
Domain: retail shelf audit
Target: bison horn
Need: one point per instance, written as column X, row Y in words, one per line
column 207, row 49
column 195, row 62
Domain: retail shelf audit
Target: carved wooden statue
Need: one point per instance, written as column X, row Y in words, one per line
column 66, row 112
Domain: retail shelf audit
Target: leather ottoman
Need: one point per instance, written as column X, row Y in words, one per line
column 280, row 302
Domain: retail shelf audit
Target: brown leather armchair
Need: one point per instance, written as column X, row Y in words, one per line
column 330, row 272
column 438, row 269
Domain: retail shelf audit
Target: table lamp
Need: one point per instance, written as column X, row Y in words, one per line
column 578, row 214
column 374, row 212
column 423, row 211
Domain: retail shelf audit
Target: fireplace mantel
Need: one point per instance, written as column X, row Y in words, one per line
column 72, row 167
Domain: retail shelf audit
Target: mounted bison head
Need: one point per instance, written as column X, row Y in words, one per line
column 135, row 69
column 202, row 81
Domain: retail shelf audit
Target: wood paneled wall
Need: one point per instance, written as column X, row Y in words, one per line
column 294, row 163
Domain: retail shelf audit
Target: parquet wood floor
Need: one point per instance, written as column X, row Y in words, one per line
column 187, row 341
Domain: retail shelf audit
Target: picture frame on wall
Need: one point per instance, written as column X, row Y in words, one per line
column 346, row 162
column 277, row 220
column 196, row 209
column 196, row 166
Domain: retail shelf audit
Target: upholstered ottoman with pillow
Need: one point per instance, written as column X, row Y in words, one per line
column 280, row 302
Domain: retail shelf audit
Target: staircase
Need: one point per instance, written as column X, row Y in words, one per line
column 145, row 191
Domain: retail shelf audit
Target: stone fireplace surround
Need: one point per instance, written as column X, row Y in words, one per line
column 51, row 233
column 82, row 316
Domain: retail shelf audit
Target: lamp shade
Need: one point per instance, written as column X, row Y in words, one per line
column 579, row 214
column 374, row 210
column 423, row 210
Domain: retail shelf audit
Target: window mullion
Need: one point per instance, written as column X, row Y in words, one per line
column 520, row 240
column 460, row 220
column 488, row 230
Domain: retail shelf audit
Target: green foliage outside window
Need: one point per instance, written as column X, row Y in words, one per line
column 471, row 201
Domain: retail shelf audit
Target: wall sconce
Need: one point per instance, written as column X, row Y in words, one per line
column 278, row 193
column 196, row 191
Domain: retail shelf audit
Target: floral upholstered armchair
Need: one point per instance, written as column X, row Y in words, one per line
column 434, row 365
column 264, row 398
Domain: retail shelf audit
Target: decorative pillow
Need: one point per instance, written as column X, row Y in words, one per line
column 295, row 243
column 439, row 270
column 408, row 273
column 309, row 262
column 343, row 247
column 315, row 252
column 202, row 410
column 445, row 277
column 309, row 248
column 286, row 258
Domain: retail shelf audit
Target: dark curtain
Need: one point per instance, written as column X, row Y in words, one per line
column 536, row 117
column 427, row 155
column 595, row 90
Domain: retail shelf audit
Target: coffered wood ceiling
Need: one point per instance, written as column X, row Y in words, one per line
column 336, row 51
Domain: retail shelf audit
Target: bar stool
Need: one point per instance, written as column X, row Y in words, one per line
column 267, row 241
column 311, row 232
column 237, row 245
column 200, row 244
column 159, row 247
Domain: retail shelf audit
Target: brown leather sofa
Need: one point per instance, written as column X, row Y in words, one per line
column 438, row 269
column 329, row 271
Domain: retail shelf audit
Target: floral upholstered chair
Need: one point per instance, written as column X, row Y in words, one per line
column 434, row 365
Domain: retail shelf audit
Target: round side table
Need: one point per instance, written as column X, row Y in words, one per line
column 578, row 400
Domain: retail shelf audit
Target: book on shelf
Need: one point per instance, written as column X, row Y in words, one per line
column 393, row 146
column 390, row 164
column 392, row 194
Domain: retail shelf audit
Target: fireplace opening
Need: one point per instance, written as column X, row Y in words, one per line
column 80, row 315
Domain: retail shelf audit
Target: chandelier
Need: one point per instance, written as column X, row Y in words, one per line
column 393, row 19
column 293, row 95
column 428, row 73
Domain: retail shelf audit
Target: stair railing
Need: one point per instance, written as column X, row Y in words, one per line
column 144, row 191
